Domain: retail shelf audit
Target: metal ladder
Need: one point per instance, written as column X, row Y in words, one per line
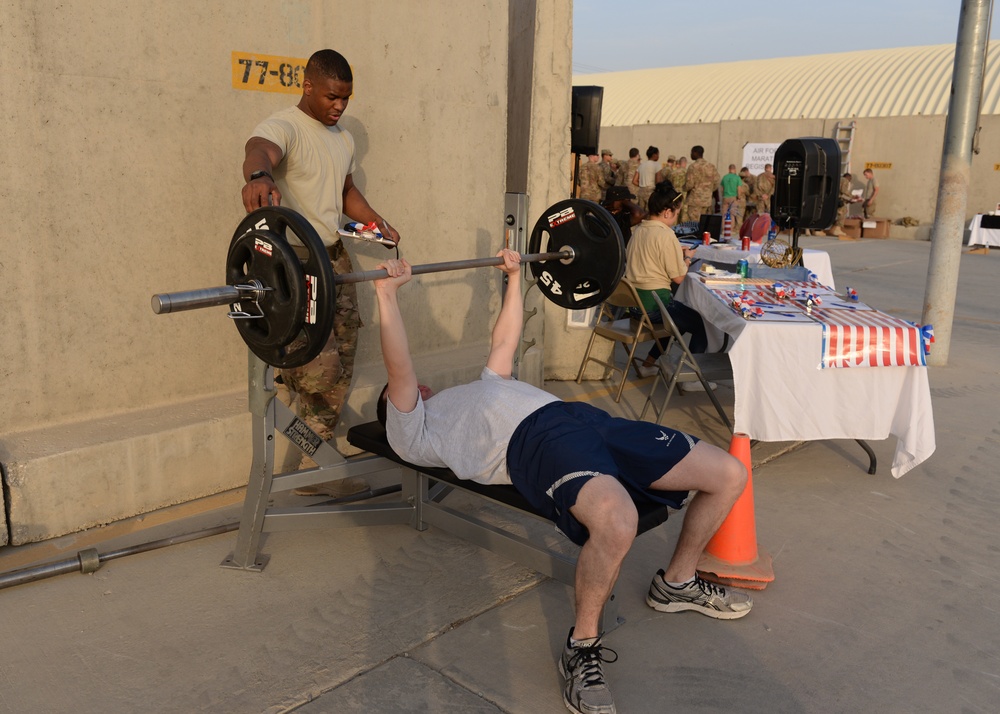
column 844, row 134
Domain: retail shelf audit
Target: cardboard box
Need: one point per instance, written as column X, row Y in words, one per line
column 875, row 228
column 852, row 228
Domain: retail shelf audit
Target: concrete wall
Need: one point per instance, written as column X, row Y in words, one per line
column 123, row 179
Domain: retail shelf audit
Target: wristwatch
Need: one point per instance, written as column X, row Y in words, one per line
column 258, row 174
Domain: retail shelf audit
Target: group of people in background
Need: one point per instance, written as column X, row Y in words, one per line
column 614, row 183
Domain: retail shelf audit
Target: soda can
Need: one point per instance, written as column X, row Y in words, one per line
column 706, row 238
column 745, row 243
column 743, row 266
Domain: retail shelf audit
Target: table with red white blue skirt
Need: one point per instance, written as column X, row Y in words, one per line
column 816, row 364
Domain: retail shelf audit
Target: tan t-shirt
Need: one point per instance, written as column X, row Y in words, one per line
column 653, row 259
column 317, row 160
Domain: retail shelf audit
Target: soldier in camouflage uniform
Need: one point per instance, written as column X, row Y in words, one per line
column 322, row 189
column 738, row 210
column 701, row 182
column 590, row 178
column 629, row 169
column 677, row 178
column 751, row 183
column 608, row 172
column 844, row 200
column 322, row 385
column 870, row 195
column 765, row 189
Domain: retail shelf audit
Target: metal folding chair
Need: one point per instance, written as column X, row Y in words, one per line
column 629, row 331
column 680, row 366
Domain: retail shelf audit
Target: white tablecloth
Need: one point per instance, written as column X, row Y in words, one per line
column 983, row 236
column 818, row 261
column 783, row 395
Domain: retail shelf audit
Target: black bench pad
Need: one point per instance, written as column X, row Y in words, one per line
column 371, row 437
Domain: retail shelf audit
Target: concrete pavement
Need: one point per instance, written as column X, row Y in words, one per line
column 883, row 598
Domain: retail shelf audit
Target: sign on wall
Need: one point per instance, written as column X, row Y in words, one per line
column 268, row 73
column 878, row 165
column 756, row 155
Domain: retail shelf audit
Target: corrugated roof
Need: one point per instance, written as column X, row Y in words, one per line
column 871, row 83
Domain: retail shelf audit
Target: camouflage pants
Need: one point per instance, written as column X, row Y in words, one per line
column 693, row 211
column 323, row 384
column 842, row 214
column 642, row 196
column 738, row 211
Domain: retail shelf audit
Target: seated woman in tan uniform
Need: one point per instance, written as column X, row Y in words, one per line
column 656, row 262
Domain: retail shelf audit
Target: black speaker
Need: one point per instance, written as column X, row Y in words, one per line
column 807, row 183
column 711, row 222
column 586, row 126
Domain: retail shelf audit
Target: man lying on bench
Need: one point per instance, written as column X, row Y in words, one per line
column 575, row 463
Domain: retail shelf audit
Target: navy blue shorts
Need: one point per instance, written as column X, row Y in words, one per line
column 561, row 446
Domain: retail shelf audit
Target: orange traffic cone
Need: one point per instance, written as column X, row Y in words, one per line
column 732, row 556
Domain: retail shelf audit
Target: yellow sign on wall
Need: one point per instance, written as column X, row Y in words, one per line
column 268, row 73
column 878, row 165
column 996, row 167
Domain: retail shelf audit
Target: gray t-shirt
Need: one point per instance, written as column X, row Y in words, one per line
column 466, row 428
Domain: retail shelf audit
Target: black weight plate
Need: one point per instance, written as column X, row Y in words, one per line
column 598, row 246
column 268, row 258
column 311, row 318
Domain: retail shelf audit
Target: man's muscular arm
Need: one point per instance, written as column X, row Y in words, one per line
column 357, row 207
column 261, row 155
column 507, row 331
column 395, row 345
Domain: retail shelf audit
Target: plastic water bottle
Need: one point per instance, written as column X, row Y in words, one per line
column 773, row 232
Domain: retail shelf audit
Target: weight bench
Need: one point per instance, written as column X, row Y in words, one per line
column 432, row 485
column 422, row 494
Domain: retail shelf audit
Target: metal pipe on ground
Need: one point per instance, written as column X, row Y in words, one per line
column 89, row 560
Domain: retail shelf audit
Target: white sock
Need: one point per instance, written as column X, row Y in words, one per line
column 679, row 586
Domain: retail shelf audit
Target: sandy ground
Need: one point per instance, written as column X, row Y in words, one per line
column 882, row 601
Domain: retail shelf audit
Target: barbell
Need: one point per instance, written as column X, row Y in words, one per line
column 284, row 304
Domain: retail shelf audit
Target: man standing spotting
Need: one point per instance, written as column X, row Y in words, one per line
column 701, row 182
column 870, row 195
column 765, row 189
column 301, row 159
column 576, row 464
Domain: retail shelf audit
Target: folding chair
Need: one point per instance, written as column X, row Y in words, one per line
column 630, row 331
column 681, row 366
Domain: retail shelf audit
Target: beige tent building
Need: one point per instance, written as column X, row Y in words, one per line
column 888, row 108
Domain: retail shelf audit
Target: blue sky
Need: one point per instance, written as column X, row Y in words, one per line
column 613, row 35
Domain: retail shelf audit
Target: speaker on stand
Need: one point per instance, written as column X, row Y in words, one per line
column 585, row 125
column 807, row 185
